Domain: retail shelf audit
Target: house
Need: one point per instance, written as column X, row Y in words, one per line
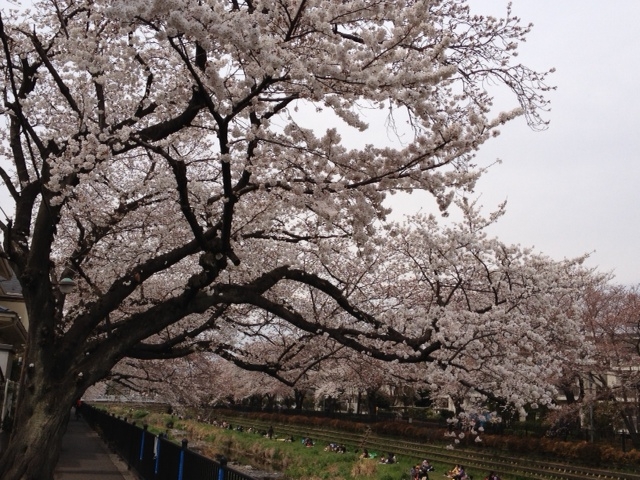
column 13, row 337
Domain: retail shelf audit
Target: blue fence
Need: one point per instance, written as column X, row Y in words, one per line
column 154, row 457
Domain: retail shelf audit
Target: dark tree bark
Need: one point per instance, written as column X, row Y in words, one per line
column 372, row 402
column 299, row 396
column 40, row 423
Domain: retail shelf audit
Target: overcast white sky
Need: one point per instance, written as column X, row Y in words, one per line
column 574, row 188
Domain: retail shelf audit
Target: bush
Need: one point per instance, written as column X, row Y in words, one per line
column 632, row 457
column 589, row 453
column 612, row 456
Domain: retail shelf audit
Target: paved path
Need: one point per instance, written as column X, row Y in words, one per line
column 84, row 456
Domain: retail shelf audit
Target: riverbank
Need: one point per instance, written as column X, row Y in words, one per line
column 235, row 434
column 267, row 457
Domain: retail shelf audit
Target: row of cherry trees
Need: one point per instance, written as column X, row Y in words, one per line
column 597, row 389
column 576, row 331
column 602, row 372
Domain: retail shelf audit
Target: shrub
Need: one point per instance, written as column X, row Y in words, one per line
column 632, row 457
column 612, row 455
column 589, row 453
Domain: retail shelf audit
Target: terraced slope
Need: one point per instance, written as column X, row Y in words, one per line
column 508, row 467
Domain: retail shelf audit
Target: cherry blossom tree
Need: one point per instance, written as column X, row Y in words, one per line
column 613, row 377
column 203, row 380
column 169, row 157
column 480, row 320
column 358, row 379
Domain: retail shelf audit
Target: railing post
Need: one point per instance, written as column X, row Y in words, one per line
column 181, row 464
column 144, row 432
column 157, row 454
column 223, row 464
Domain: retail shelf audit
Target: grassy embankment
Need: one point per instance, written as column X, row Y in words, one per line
column 292, row 459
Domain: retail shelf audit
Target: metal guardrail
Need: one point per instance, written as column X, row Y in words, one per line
column 155, row 457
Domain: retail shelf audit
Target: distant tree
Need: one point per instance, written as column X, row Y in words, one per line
column 357, row 379
column 613, row 377
column 168, row 157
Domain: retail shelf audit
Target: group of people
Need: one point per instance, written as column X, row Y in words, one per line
column 457, row 473
column 418, row 472
column 268, row 433
column 390, row 458
column 492, row 476
column 421, row 470
column 336, row 448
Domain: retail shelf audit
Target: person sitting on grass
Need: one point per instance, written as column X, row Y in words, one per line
column 332, row 447
column 462, row 475
column 454, row 471
column 492, row 476
column 391, row 458
column 423, row 470
column 426, row 466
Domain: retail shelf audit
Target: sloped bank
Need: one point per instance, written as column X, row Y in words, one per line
column 581, row 452
column 268, row 458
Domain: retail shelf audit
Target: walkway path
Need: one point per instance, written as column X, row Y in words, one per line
column 84, row 456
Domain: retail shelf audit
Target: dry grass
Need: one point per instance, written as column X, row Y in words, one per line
column 364, row 468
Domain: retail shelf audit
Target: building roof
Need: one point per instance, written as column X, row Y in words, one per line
column 12, row 331
column 5, row 269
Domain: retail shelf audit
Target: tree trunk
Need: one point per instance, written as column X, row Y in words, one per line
column 40, row 422
column 372, row 403
column 271, row 400
column 299, row 398
column 46, row 396
column 634, row 434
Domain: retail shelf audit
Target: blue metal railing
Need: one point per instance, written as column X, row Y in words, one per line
column 155, row 457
